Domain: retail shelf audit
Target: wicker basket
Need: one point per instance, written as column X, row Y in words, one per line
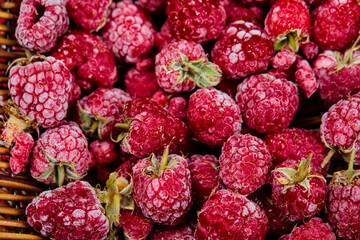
column 16, row 191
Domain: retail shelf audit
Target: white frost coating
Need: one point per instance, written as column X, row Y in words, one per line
column 236, row 48
column 241, row 34
column 231, row 30
column 28, row 98
column 244, row 212
column 29, row 88
column 233, row 58
column 251, row 206
column 249, row 24
column 255, row 32
column 43, row 97
column 78, row 213
column 247, row 36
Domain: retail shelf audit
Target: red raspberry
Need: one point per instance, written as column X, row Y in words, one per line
column 134, row 224
column 140, row 83
column 177, row 105
column 298, row 191
column 60, row 154
column 41, row 23
column 128, row 32
column 268, row 104
column 288, row 24
column 343, row 207
column 149, row 129
column 284, row 59
column 344, row 16
column 242, row 49
column 227, row 215
column 93, row 65
column 340, row 127
column 314, row 229
column 310, row 50
column 244, row 163
column 98, row 112
column 338, row 74
column 297, row 143
column 182, row 65
column 196, row 20
column 88, row 14
column 305, row 78
column 162, row 188
column 163, row 37
column 213, row 116
column 204, row 176
column 104, row 151
column 20, row 153
column 69, row 212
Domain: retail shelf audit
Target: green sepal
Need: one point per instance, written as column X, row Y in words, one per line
column 290, row 39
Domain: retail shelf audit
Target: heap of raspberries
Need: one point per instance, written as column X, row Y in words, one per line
column 187, row 119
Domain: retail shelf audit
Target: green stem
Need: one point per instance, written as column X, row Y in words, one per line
column 349, row 54
column 292, row 42
column 124, row 126
column 94, row 126
column 351, row 164
column 164, row 159
column 60, row 174
column 303, row 169
column 192, row 67
column 328, row 157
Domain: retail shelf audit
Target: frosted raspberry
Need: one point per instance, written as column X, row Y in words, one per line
column 344, row 16
column 153, row 5
column 228, row 215
column 60, row 155
column 244, row 163
column 340, row 127
column 41, row 23
column 104, row 151
column 149, row 128
column 68, row 212
column 298, row 191
column 179, row 232
column 128, row 32
column 98, row 112
column 88, row 14
column 164, row 36
column 305, row 78
column 92, row 65
column 310, row 50
column 204, row 176
column 41, row 88
column 297, row 143
column 288, row 24
column 196, row 20
column 242, row 49
column 268, row 104
column 283, row 59
column 182, row 65
column 314, row 229
column 162, row 188
column 338, row 74
column 20, row 153
column 213, row 116
column 343, row 206
column 140, row 83
column 134, row 224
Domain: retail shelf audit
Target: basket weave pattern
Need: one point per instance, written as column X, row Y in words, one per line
column 16, row 191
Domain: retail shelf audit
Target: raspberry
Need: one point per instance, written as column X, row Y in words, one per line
column 244, row 163
column 20, row 153
column 298, row 191
column 153, row 5
column 268, row 104
column 60, row 155
column 228, row 215
column 335, row 14
column 288, row 24
column 213, row 116
column 179, row 232
column 310, row 50
column 175, row 104
column 98, row 112
column 128, row 32
column 314, row 229
column 134, row 224
column 283, row 59
column 236, row 10
column 41, row 23
column 140, row 83
column 204, row 176
column 93, row 65
column 68, row 212
column 305, row 78
column 182, row 65
column 162, row 188
column 103, row 151
column 242, row 49
column 195, row 20
column 88, row 14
